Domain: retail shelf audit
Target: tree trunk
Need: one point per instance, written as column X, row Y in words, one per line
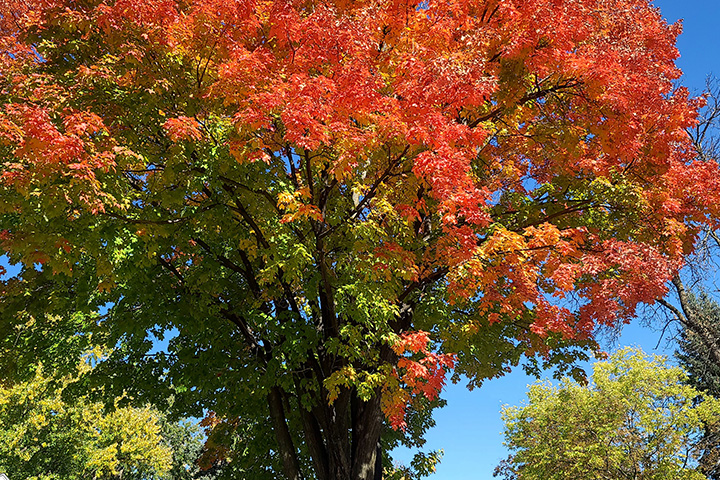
column 342, row 439
column 291, row 466
column 367, row 427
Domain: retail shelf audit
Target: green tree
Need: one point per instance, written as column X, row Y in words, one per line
column 638, row 419
column 43, row 437
column 325, row 207
column 703, row 372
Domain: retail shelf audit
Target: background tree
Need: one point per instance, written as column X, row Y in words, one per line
column 704, row 374
column 43, row 437
column 637, row 419
column 324, row 207
column 186, row 440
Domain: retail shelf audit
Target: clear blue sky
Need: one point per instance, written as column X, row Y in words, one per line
column 469, row 427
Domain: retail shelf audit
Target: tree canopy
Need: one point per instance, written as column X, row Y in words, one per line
column 324, row 207
column 638, row 419
column 43, row 437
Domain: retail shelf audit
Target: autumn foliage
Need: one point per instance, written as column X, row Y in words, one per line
column 366, row 195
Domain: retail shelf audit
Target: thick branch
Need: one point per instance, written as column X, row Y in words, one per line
column 367, row 427
column 309, row 176
column 247, row 218
column 164, row 263
column 326, row 293
column 245, row 271
column 261, row 351
column 263, row 193
column 239, row 208
column 418, row 284
column 369, row 195
column 315, row 444
column 291, row 466
column 495, row 113
column 293, row 169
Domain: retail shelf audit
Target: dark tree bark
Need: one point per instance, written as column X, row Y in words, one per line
column 288, row 453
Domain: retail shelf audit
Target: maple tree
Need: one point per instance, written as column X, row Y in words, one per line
column 324, row 207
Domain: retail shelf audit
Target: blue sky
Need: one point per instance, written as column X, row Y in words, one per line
column 469, row 428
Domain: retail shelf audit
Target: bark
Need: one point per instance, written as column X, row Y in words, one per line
column 343, row 439
column 334, row 420
column 378, row 463
column 287, row 451
column 316, row 446
column 367, row 428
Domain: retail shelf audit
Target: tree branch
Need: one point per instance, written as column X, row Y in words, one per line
column 164, row 263
column 246, row 272
column 240, row 209
column 691, row 319
column 369, row 195
column 495, row 113
column 287, row 450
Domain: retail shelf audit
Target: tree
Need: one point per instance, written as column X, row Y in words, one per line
column 185, row 439
column 703, row 371
column 638, row 419
column 324, row 207
column 43, row 437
